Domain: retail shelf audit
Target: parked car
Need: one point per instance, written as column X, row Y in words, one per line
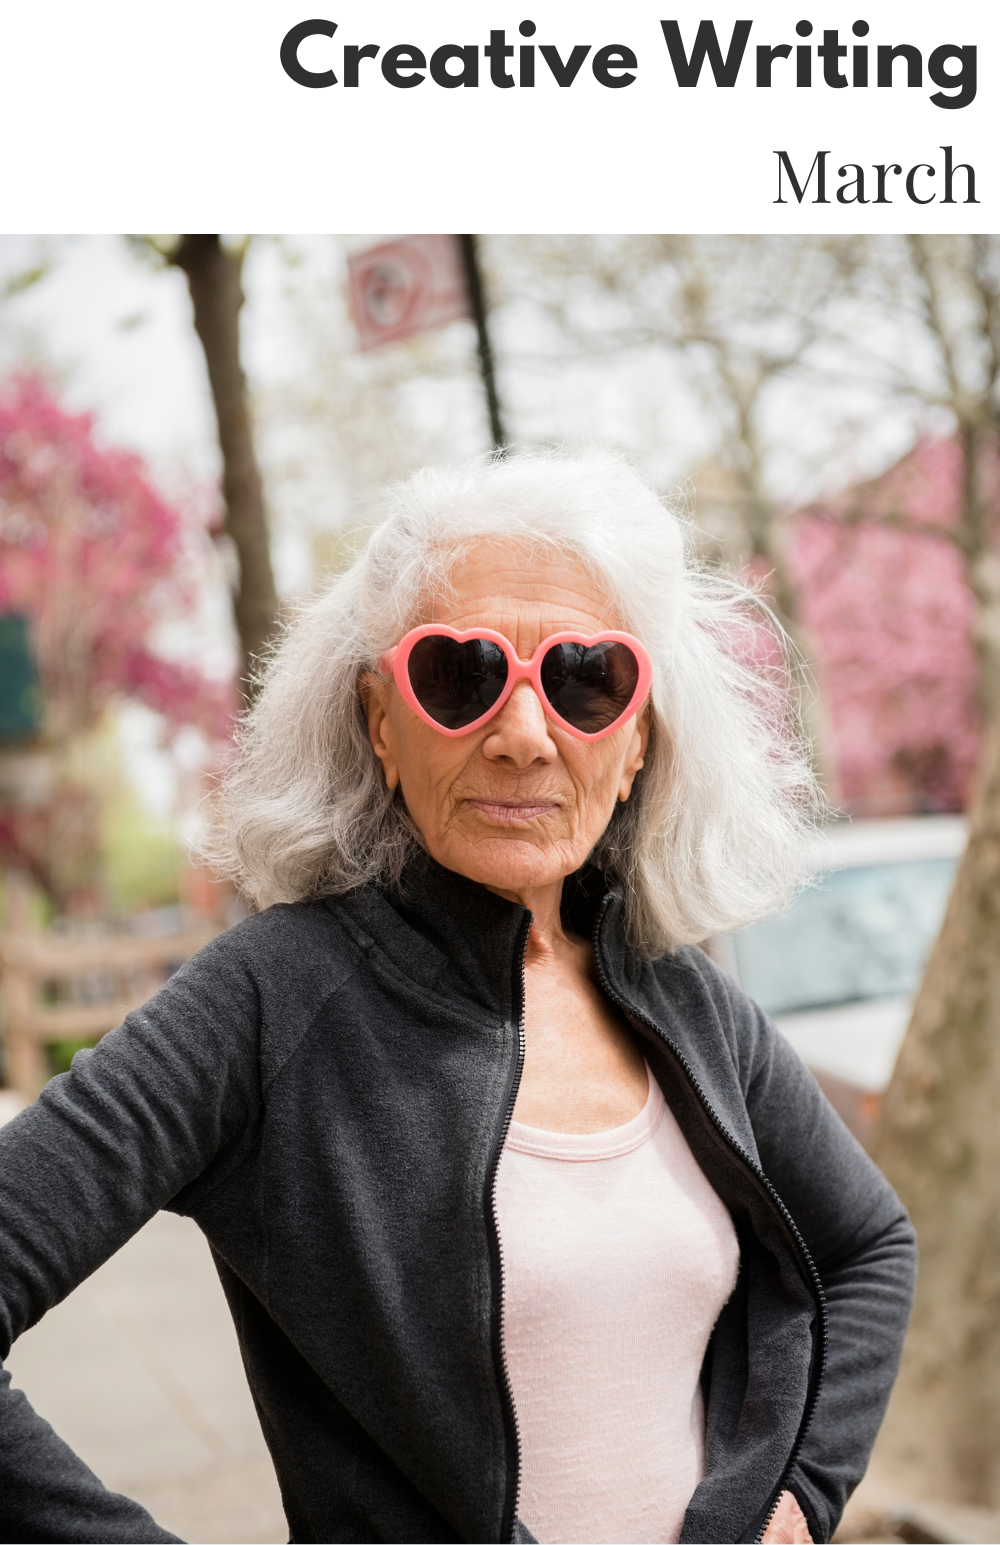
column 838, row 970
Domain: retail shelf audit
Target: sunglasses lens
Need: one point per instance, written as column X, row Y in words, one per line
column 590, row 688
column 456, row 683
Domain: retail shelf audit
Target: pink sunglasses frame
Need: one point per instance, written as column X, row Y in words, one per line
column 395, row 662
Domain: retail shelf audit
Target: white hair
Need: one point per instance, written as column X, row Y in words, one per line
column 715, row 833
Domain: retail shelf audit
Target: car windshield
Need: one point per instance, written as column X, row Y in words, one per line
column 852, row 935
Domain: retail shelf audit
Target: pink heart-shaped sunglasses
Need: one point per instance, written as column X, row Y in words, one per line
column 587, row 684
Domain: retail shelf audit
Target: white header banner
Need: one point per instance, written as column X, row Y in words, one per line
column 317, row 115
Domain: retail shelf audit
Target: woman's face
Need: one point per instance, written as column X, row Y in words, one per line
column 519, row 802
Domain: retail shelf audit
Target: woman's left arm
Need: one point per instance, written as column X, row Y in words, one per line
column 864, row 1247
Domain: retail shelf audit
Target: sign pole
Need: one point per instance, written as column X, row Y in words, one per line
column 477, row 304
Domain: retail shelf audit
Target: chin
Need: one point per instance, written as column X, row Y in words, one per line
column 507, row 863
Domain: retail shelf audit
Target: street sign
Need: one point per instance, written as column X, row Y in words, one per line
column 406, row 286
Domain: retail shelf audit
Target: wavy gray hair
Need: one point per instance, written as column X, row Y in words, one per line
column 715, row 832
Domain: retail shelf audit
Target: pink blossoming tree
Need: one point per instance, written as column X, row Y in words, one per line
column 99, row 562
column 883, row 593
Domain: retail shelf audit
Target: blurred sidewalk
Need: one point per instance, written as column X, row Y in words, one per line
column 140, row 1372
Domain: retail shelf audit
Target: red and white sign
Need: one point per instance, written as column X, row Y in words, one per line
column 406, row 286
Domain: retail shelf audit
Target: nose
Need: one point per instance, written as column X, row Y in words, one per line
column 519, row 733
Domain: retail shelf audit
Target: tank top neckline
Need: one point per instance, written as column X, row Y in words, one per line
column 587, row 1146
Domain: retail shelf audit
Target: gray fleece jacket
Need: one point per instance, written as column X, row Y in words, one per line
column 326, row 1090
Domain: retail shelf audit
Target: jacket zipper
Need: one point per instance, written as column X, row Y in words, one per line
column 778, row 1204
column 496, row 1314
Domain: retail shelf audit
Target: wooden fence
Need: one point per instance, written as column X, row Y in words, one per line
column 64, row 989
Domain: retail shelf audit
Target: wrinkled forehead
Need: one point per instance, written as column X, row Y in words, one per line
column 523, row 590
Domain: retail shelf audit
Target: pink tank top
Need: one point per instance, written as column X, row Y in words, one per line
column 618, row 1256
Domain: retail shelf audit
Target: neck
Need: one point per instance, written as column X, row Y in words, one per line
column 544, row 902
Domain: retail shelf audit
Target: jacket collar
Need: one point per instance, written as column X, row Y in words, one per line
column 442, row 930
column 439, row 922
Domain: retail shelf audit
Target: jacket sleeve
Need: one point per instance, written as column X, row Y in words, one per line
column 102, row 1149
column 864, row 1248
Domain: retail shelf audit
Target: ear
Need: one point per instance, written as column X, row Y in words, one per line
column 636, row 754
column 374, row 692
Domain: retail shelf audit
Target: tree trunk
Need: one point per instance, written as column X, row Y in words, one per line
column 939, row 1144
column 213, row 276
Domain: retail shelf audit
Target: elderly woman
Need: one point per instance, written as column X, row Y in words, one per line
column 531, row 1224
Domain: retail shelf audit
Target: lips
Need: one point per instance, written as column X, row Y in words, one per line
column 511, row 812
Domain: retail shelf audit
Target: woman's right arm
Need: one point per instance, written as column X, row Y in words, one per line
column 102, row 1149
